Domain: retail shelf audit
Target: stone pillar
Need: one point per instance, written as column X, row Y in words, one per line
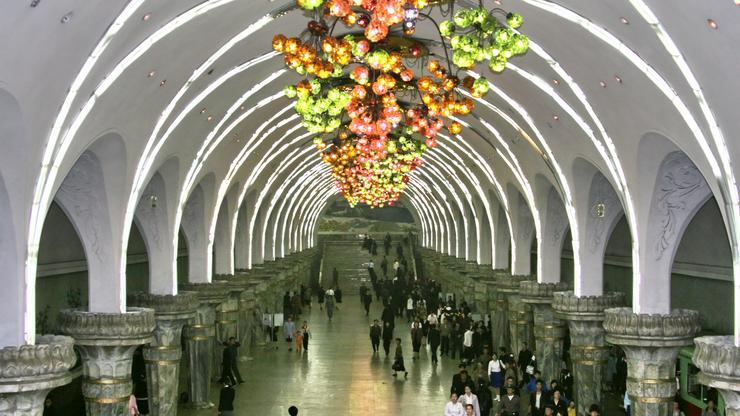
column 162, row 356
column 719, row 361
column 651, row 344
column 247, row 327
column 200, row 342
column 106, row 342
column 29, row 372
column 549, row 331
column 519, row 313
column 588, row 350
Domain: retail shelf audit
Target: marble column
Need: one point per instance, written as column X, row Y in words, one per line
column 106, row 342
column 588, row 349
column 227, row 314
column 719, row 361
column 247, row 325
column 29, row 372
column 162, row 356
column 200, row 341
column 651, row 344
column 519, row 313
column 549, row 331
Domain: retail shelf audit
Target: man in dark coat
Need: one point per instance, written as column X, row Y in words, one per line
column 434, row 339
column 387, row 337
column 226, row 400
column 230, row 371
column 460, row 381
column 375, row 333
column 523, row 359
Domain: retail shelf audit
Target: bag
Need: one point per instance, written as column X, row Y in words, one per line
column 530, row 370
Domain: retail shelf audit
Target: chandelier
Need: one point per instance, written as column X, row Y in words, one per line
column 376, row 97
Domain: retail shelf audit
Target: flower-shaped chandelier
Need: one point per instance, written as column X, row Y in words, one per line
column 373, row 116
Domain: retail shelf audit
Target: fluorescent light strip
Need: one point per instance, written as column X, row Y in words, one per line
column 304, row 207
column 305, row 165
column 295, row 209
column 447, row 186
column 434, row 221
column 274, row 175
column 302, row 177
column 427, row 193
column 261, row 165
column 407, row 201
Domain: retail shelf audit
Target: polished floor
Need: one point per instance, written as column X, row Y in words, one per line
column 340, row 375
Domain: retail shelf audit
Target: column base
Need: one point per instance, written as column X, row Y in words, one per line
column 29, row 372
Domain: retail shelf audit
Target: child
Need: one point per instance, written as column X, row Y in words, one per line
column 298, row 340
column 572, row 408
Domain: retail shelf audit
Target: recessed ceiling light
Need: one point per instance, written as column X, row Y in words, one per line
column 241, row 108
column 555, row 117
column 712, row 24
column 619, row 79
column 146, row 17
column 67, row 17
column 497, row 2
column 624, row 20
column 737, row 2
column 555, row 81
column 210, row 118
column 151, row 73
column 203, row 110
column 603, row 84
column 163, row 83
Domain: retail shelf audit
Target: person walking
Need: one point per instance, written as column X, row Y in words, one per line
column 470, row 399
column 444, row 335
column 329, row 299
column 226, row 400
column 455, row 341
column 496, row 373
column 416, row 336
column 454, row 407
column 375, row 333
column 229, row 369
column 384, row 266
column 510, row 403
column 367, row 300
column 306, row 335
column 289, row 332
column 468, row 352
column 434, row 341
column 298, row 340
column 398, row 360
column 387, row 337
column 409, row 308
column 320, row 294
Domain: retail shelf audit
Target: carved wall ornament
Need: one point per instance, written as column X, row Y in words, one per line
column 679, row 189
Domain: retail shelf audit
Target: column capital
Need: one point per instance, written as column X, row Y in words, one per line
column 506, row 283
column 215, row 292
column 134, row 327
column 184, row 303
column 719, row 361
column 42, row 366
column 532, row 291
column 623, row 327
column 585, row 308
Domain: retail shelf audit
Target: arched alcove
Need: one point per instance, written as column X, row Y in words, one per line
column 137, row 262
column 62, row 272
column 701, row 274
column 618, row 260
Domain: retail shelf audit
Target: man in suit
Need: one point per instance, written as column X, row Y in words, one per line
column 537, row 400
column 510, row 402
column 460, row 381
column 226, row 400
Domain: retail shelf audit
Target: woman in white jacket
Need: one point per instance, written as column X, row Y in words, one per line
column 454, row 407
column 470, row 399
